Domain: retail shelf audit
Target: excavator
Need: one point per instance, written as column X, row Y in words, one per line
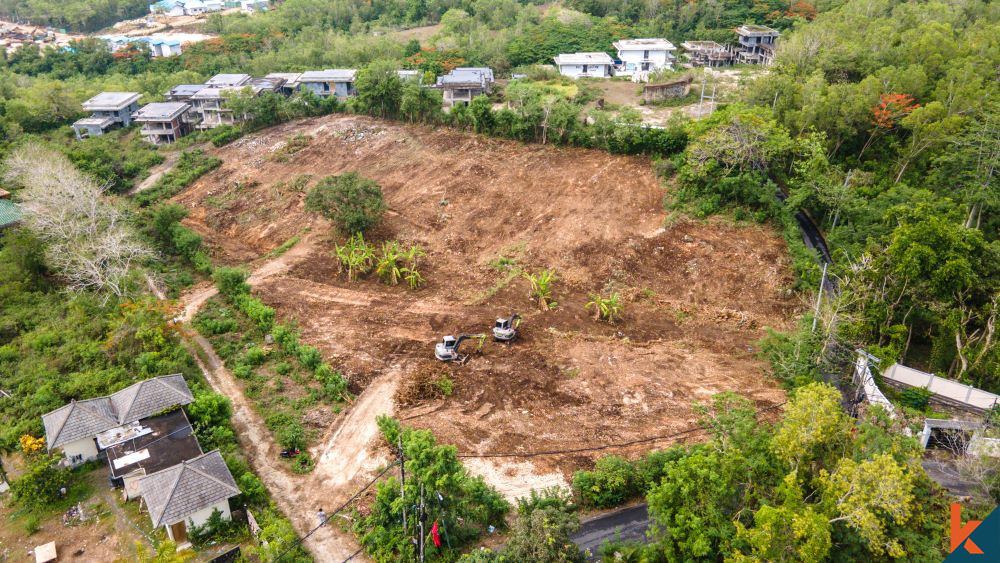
column 447, row 349
column 505, row 329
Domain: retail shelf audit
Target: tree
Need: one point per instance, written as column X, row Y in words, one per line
column 354, row 203
column 39, row 485
column 419, row 103
column 379, row 89
column 89, row 242
column 543, row 535
column 814, row 428
column 868, row 495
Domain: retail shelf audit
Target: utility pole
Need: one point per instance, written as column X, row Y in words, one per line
column 421, row 518
column 822, row 284
column 402, row 478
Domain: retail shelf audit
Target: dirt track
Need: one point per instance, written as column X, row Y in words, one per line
column 697, row 294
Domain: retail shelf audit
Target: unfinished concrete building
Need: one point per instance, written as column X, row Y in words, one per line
column 164, row 122
column 708, row 53
column 109, row 110
column 756, row 44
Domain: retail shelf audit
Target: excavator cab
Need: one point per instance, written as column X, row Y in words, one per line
column 505, row 329
column 447, row 349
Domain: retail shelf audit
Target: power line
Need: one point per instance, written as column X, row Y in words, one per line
column 338, row 510
column 691, row 430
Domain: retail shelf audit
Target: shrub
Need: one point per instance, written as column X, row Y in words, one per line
column 210, row 409
column 916, row 398
column 225, row 134
column 231, row 281
column 612, row 482
column 254, row 493
column 309, row 357
column 282, row 368
column 39, row 485
column 256, row 310
column 255, row 356
column 354, row 203
column 291, row 435
column 243, row 371
column 32, row 523
column 286, row 337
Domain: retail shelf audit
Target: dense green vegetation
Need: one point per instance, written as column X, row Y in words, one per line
column 817, row 485
column 889, row 140
column 77, row 15
column 284, row 380
column 58, row 347
column 463, row 506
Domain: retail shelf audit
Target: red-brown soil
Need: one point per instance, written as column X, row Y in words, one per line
column 698, row 294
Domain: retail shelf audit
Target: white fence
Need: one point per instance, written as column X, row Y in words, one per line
column 866, row 383
column 946, row 389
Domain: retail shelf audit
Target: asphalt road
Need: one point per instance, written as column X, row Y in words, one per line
column 625, row 524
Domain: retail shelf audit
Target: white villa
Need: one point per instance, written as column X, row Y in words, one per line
column 585, row 65
column 644, row 55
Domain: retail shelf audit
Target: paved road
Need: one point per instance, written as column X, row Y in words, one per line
column 626, row 524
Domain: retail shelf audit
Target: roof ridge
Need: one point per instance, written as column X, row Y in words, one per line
column 55, row 437
column 173, row 489
column 200, row 472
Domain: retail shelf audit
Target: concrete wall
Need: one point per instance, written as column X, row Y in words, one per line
column 90, row 130
column 85, row 447
column 199, row 518
column 633, row 60
column 576, row 71
column 318, row 88
column 344, row 89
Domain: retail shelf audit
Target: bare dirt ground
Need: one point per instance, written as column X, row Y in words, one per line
column 724, row 80
column 697, row 294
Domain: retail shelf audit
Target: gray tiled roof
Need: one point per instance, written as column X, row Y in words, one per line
column 79, row 419
column 173, row 494
column 151, row 396
column 10, row 213
column 87, row 418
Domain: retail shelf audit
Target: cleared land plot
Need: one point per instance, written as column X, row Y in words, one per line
column 697, row 294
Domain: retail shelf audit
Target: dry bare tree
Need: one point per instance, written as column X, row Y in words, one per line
column 88, row 241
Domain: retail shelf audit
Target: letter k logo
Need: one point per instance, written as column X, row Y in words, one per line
column 959, row 533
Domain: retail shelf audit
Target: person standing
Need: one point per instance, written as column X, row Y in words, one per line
column 322, row 517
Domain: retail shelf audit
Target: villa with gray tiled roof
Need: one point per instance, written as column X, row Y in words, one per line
column 74, row 427
column 185, row 495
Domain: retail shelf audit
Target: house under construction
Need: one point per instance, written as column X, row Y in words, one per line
column 755, row 46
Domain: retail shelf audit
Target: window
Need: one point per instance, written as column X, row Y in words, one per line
column 585, row 69
column 645, row 54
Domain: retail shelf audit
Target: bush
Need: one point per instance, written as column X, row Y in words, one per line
column 231, row 281
column 291, row 435
column 915, row 397
column 612, row 482
column 39, row 485
column 309, row 357
column 256, row 310
column 225, row 134
column 255, row 356
column 354, row 203
column 286, row 337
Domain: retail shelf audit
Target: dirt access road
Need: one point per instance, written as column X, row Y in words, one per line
column 698, row 294
column 345, row 452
